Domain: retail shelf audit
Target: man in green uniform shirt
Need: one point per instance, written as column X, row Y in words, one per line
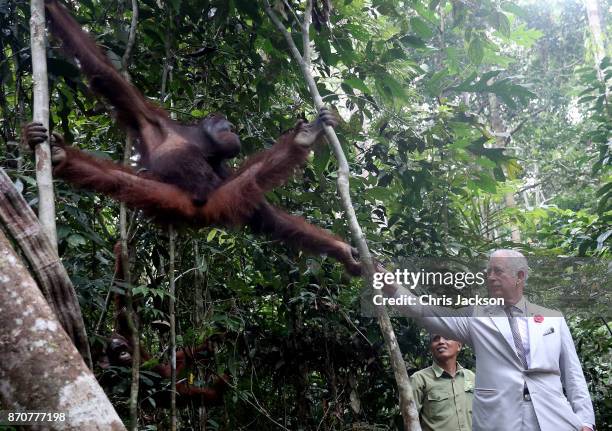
column 443, row 392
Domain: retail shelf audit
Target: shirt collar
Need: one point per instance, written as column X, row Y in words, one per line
column 521, row 305
column 438, row 370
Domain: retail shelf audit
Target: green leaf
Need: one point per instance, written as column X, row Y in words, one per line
column 486, row 183
column 498, row 173
column 389, row 87
column 605, row 189
column 488, row 75
column 355, row 123
column 250, row 8
column 413, row 41
column 434, row 85
column 514, row 9
column 75, row 240
column 585, row 99
column 500, row 22
column 379, row 193
column 524, row 36
column 321, row 160
column 392, row 54
column 358, row 84
column 485, row 162
column 357, row 31
column 476, row 51
column 323, row 47
column 421, row 28
column 504, row 88
column 513, row 168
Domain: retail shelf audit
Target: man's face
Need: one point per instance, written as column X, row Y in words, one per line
column 503, row 282
column 443, row 349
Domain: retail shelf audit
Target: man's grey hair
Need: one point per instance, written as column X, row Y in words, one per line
column 517, row 261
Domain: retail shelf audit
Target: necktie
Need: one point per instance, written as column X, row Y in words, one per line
column 516, row 335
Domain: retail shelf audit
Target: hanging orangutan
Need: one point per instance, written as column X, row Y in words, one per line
column 186, row 178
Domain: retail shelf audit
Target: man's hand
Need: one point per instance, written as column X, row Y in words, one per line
column 586, row 429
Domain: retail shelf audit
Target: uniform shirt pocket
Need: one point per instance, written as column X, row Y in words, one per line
column 438, row 403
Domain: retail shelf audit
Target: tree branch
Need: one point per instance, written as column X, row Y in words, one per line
column 125, row 60
column 132, row 321
column 44, row 178
column 306, row 34
column 407, row 405
column 294, row 51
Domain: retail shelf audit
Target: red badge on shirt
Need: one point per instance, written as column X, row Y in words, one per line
column 538, row 318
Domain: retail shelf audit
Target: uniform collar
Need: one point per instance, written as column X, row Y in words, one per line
column 438, row 370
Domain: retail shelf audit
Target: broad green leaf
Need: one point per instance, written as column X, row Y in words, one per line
column 488, row 75
column 435, row 84
column 324, row 49
column 500, row 22
column 379, row 193
column 514, row 169
column 75, row 240
column 498, row 173
column 485, row 163
column 513, row 8
column 524, row 36
column 358, row 84
column 413, row 41
column 605, row 189
column 476, row 51
column 421, row 28
column 321, row 159
column 357, row 32
column 426, row 12
column 486, row 183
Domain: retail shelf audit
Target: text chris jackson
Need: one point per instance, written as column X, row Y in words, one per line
column 443, row 300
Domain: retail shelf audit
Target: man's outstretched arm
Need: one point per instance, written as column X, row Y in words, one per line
column 448, row 322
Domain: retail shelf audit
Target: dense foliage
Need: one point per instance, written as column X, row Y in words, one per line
column 448, row 108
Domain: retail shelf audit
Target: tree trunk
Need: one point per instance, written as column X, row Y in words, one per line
column 197, row 291
column 40, row 369
column 172, row 317
column 596, row 23
column 19, row 220
column 499, row 129
column 166, row 77
column 131, row 318
column 600, row 46
column 44, row 179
